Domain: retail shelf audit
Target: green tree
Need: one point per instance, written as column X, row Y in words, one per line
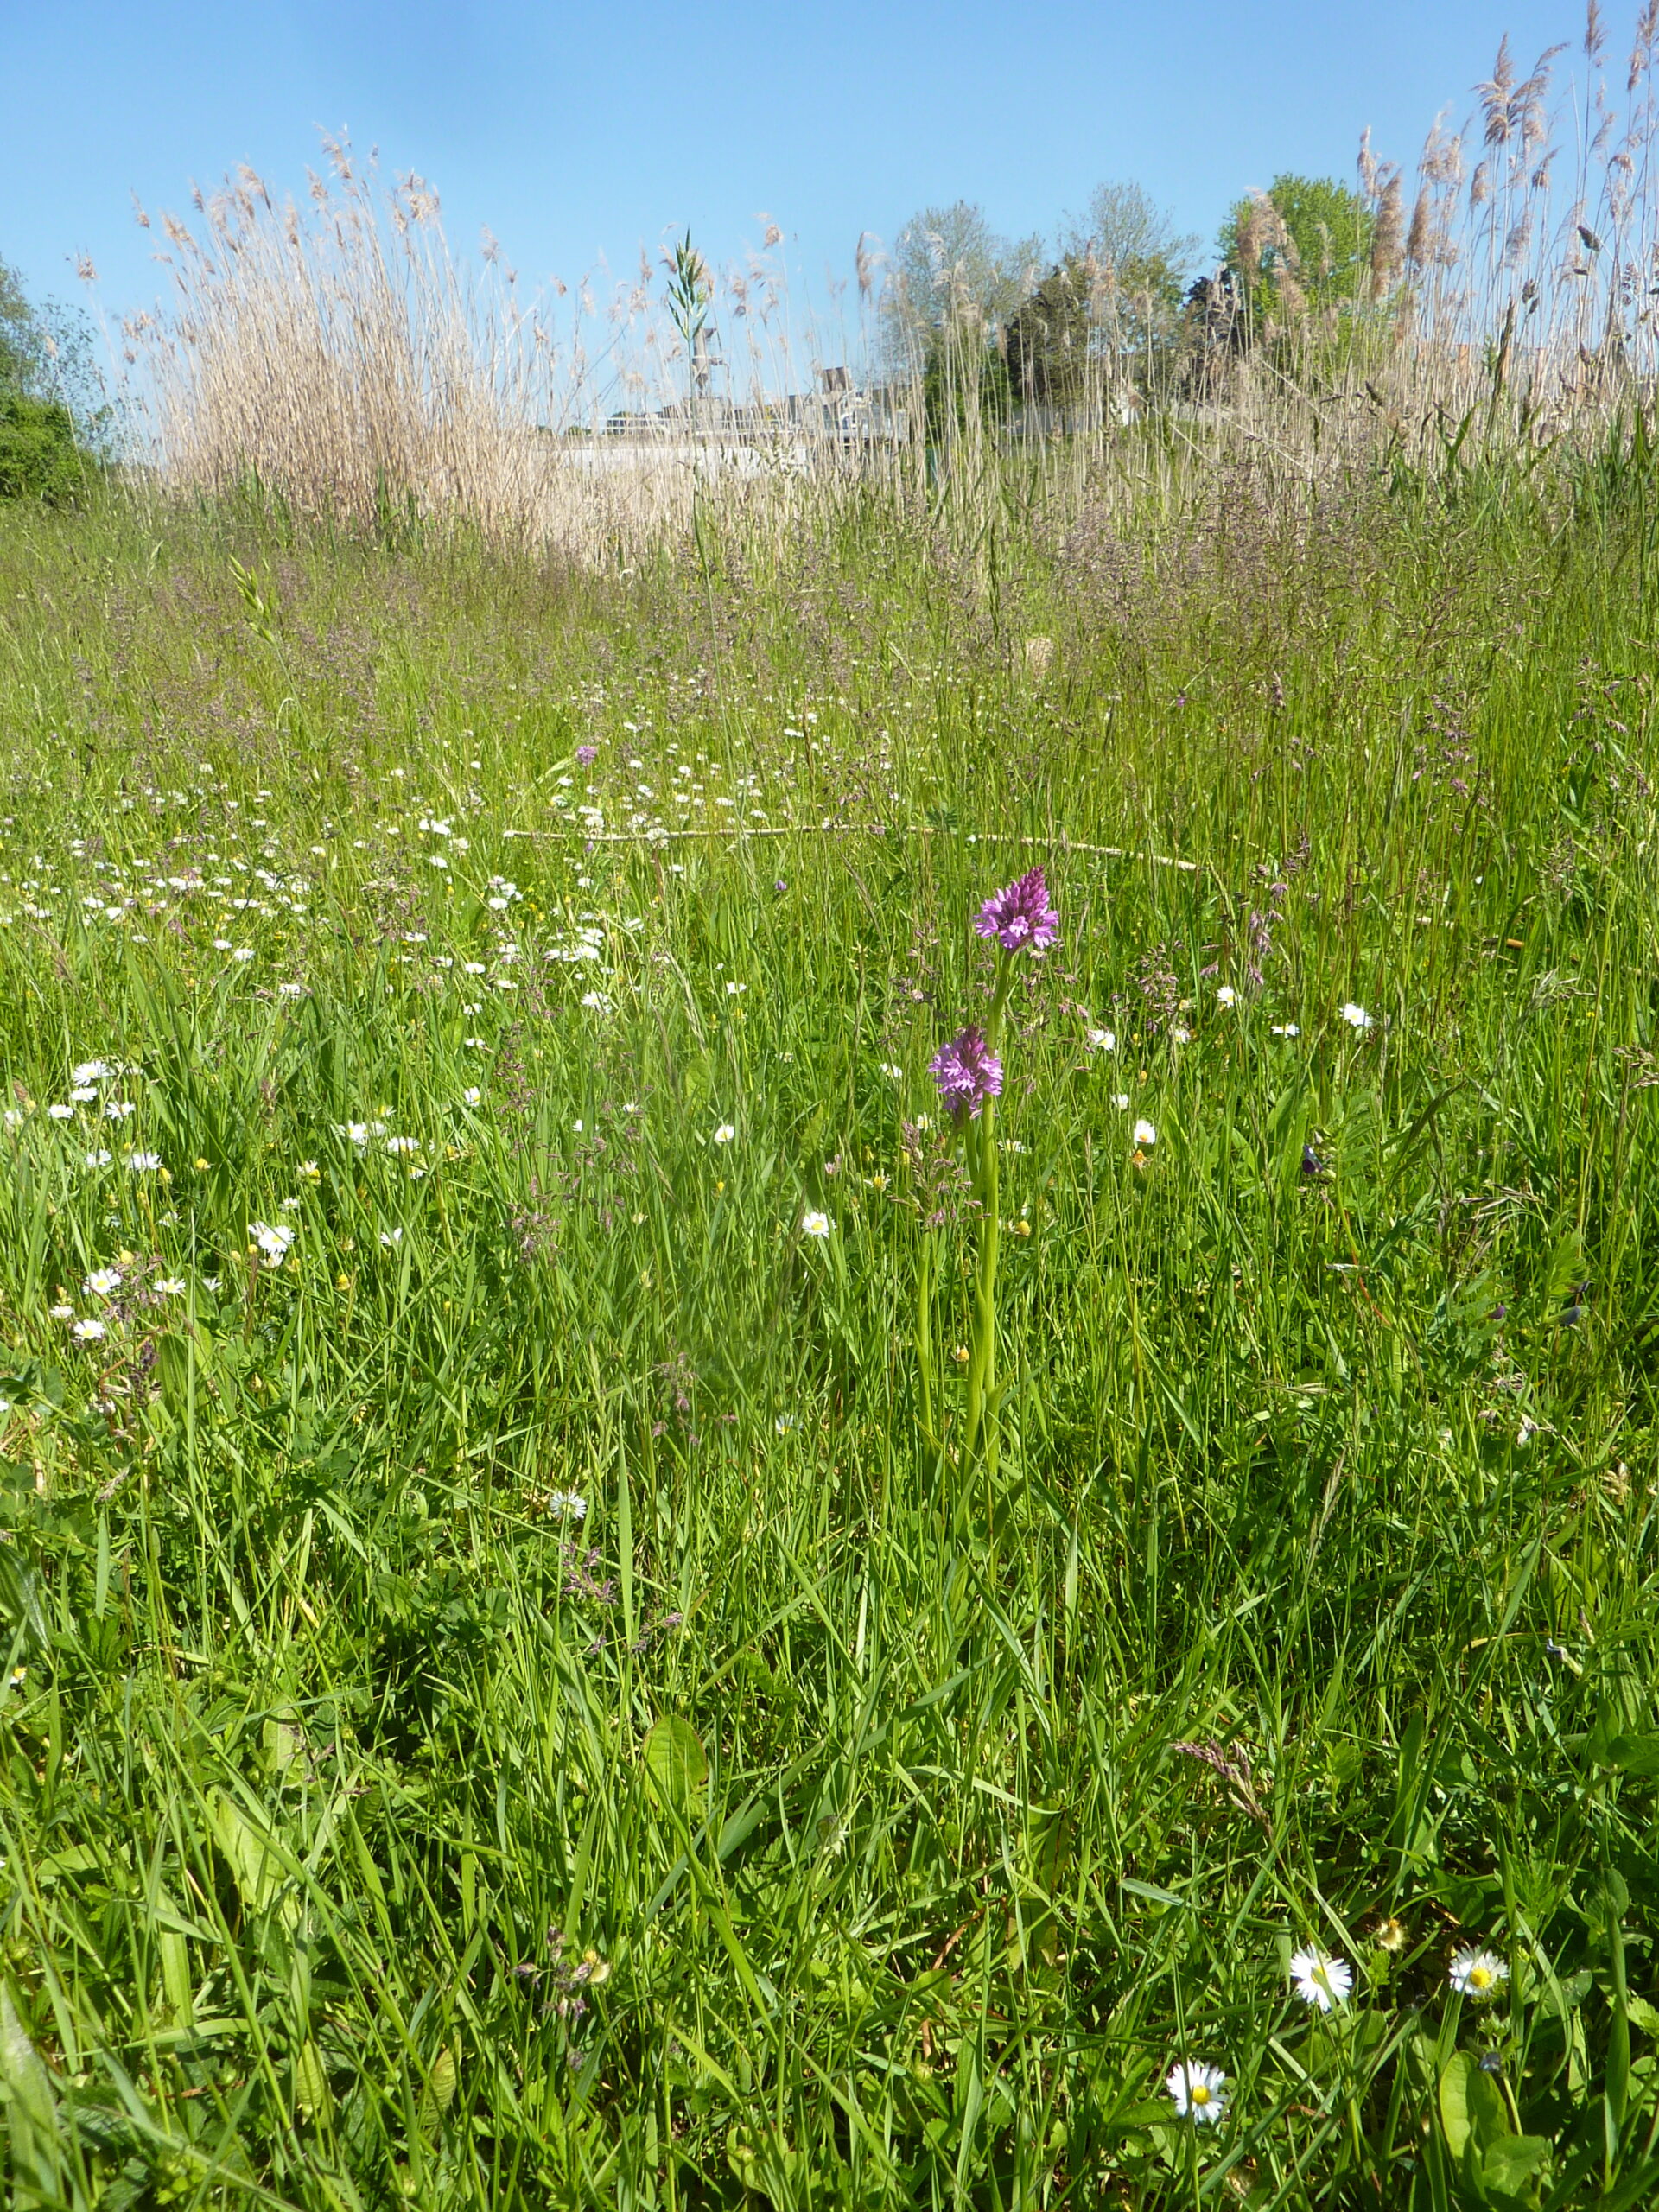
column 1126, row 260
column 953, row 286
column 1050, row 339
column 1306, row 241
column 47, row 441
column 952, row 282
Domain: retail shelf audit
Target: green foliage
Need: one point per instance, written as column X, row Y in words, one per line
column 1307, row 239
column 1135, row 263
column 40, row 458
column 953, row 284
column 782, row 1822
column 691, row 299
column 1050, row 340
column 964, row 385
column 44, row 365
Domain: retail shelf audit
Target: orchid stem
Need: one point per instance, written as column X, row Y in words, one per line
column 981, row 1365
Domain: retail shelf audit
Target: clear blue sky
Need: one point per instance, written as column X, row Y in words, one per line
column 578, row 129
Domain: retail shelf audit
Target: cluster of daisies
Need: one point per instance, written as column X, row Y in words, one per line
column 239, row 904
column 1104, row 1042
column 1324, row 1982
column 90, row 1099
column 103, row 1285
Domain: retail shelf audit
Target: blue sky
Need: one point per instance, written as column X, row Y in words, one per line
column 576, row 131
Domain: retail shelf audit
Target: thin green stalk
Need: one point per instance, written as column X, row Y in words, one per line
column 981, row 1365
column 925, row 1334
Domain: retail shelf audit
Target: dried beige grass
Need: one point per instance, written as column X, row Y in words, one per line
column 341, row 354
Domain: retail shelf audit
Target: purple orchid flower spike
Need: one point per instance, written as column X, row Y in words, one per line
column 1020, row 917
column 968, row 1073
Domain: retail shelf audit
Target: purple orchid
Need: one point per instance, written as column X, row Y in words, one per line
column 968, row 1073
column 586, row 756
column 1020, row 917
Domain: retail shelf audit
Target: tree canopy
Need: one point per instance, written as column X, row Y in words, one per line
column 52, row 411
column 952, row 277
column 1304, row 240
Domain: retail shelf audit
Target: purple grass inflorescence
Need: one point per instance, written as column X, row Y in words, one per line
column 968, row 1073
column 1020, row 917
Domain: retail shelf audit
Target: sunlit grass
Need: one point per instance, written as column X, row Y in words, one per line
column 510, row 1709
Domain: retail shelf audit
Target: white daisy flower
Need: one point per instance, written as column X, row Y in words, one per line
column 1225, row 994
column 1145, row 1133
column 1102, row 1040
column 1199, row 2092
column 91, row 1071
column 724, row 1134
column 87, row 1332
column 1286, row 1029
column 403, row 1144
column 815, row 1224
column 272, row 1238
column 83, row 1094
column 471, row 1096
column 63, row 1312
column 144, row 1163
column 102, row 1282
column 170, row 1286
column 391, row 1237
column 1356, row 1016
column 1477, row 1974
column 1320, row 1979
column 61, row 1113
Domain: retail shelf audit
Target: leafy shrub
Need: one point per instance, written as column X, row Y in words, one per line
column 40, row 457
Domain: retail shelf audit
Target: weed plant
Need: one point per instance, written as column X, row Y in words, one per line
column 506, row 1707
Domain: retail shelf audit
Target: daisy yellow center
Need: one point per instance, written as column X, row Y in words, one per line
column 1200, row 2093
column 1480, row 1977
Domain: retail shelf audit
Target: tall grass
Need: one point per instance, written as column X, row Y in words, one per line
column 780, row 1825
column 340, row 356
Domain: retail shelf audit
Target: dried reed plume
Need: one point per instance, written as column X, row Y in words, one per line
column 339, row 355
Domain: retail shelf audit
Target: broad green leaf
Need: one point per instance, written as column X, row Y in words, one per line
column 1510, row 2162
column 252, row 1859
column 22, row 2070
column 677, row 1766
column 1454, row 2101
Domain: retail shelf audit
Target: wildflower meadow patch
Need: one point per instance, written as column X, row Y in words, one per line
column 788, row 1418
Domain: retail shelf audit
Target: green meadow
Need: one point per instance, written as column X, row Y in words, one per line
column 522, row 1690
